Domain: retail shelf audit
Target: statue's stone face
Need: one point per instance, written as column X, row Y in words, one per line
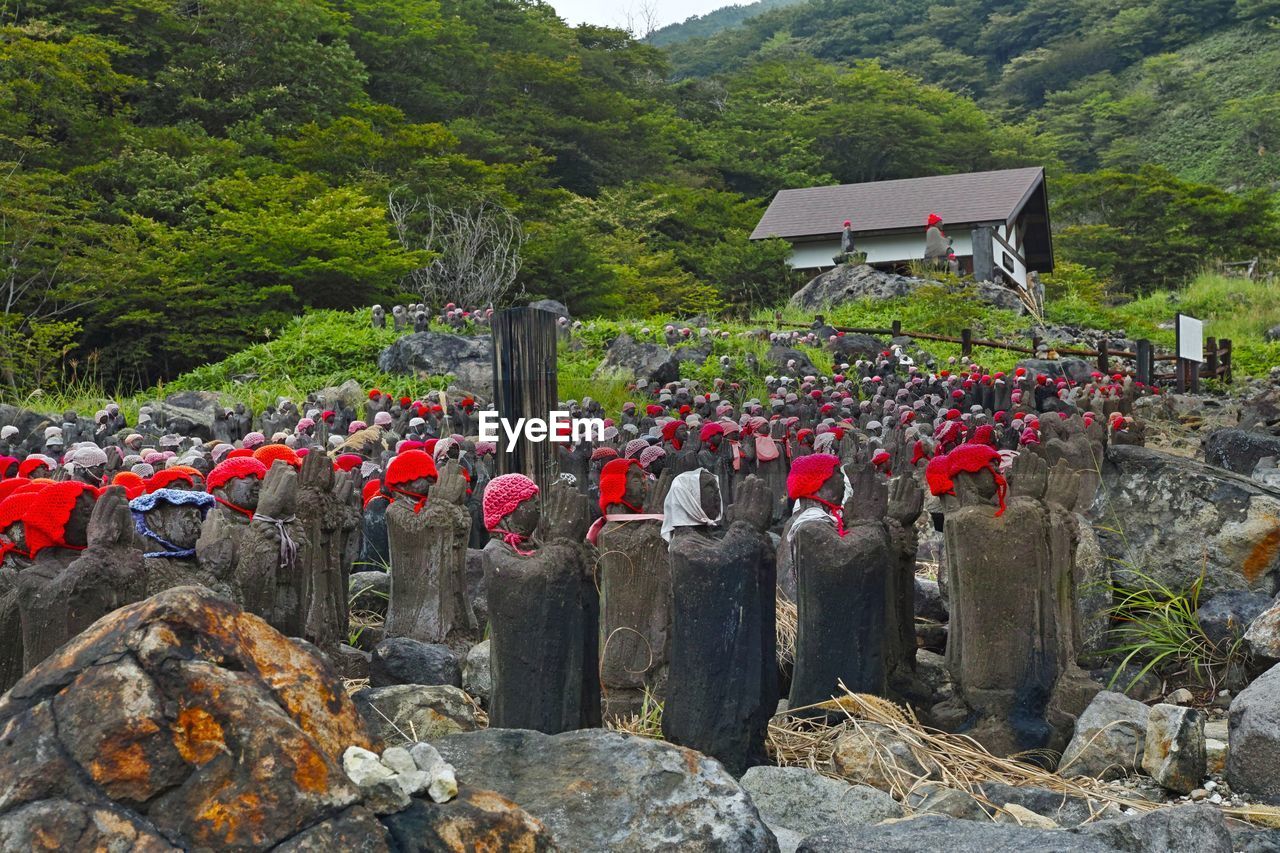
column 453, row 452
column 832, row 490
column 92, row 474
column 714, row 441
column 635, row 490
column 979, row 488
column 419, row 486
column 682, row 433
column 525, row 517
column 179, row 525
column 709, row 493
column 241, row 491
column 77, row 530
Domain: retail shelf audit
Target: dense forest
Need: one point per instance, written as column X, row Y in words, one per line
column 1189, row 85
column 178, row 180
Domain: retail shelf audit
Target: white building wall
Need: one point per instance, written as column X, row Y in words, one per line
column 884, row 249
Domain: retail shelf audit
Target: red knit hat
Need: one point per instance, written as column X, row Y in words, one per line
column 239, row 453
column 709, row 429
column 27, row 466
column 966, row 459
column 12, row 485
column 267, row 454
column 653, row 409
column 230, row 469
column 134, row 486
column 161, row 480
column 808, row 473
column 934, row 219
column 408, row 466
column 371, row 490
column 347, row 461
column 613, row 483
column 47, row 513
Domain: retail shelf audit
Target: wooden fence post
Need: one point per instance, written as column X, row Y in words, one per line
column 1103, row 362
column 524, row 386
column 1145, row 368
column 1226, row 359
column 896, row 328
column 1211, row 356
column 966, row 342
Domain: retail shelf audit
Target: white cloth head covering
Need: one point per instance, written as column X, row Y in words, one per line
column 683, row 506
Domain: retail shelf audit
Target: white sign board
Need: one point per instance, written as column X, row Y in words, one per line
column 1190, row 338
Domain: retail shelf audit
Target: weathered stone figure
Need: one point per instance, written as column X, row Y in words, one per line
column 106, row 575
column 235, row 484
column 168, row 523
column 543, row 608
column 427, row 527
column 323, row 561
column 723, row 682
column 379, row 317
column 266, row 569
column 635, row 588
column 840, row 553
column 1005, row 645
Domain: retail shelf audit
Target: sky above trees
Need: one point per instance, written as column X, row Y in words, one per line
column 636, row 15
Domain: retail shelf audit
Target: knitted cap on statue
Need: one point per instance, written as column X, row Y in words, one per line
column 613, row 483
column 407, row 467
column 267, row 454
column 502, row 496
column 232, row 468
column 966, row 459
column 47, row 513
column 808, row 473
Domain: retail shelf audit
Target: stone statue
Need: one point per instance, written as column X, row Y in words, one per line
column 543, row 609
column 236, row 485
column 379, row 317
column 105, row 575
column 635, row 591
column 324, row 514
column 421, row 321
column 723, row 682
column 267, row 572
column 399, row 317
column 168, row 523
column 840, row 553
column 427, row 530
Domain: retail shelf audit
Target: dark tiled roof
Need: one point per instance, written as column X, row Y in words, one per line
column 907, row 203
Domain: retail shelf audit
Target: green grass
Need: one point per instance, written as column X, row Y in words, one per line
column 1156, row 628
column 327, row 348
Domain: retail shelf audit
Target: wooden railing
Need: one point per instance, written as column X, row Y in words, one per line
column 1216, row 364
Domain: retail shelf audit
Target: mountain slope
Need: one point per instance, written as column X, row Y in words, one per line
column 702, row 26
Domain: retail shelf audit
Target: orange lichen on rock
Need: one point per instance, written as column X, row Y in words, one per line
column 1263, row 555
column 311, row 773
column 197, row 736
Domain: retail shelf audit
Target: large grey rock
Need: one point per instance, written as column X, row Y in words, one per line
column 1254, row 754
column 1227, row 615
column 404, row 660
column 951, row 802
column 875, row 755
column 792, row 362
column 350, row 394
column 1109, row 739
column 1261, row 413
column 1171, row 518
column 1262, row 638
column 1239, row 450
column 601, row 790
column 629, row 360
column 1193, row 829
column 469, row 360
column 797, row 800
column 1060, row 808
column 1073, row 369
column 852, row 346
column 194, row 408
column 937, row 834
column 1174, row 753
column 408, row 713
column 849, row 283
